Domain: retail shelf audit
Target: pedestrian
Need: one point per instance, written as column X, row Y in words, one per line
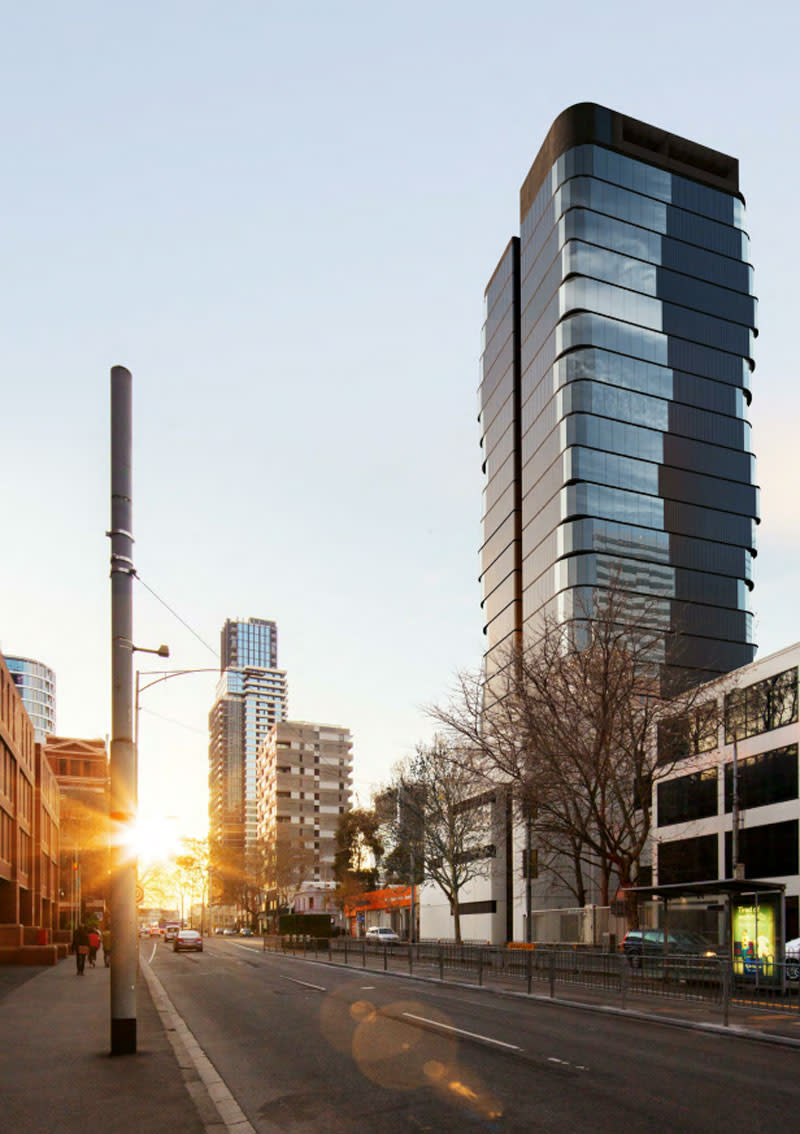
column 80, row 946
column 94, row 945
column 106, row 947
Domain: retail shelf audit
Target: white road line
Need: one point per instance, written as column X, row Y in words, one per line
column 185, row 1046
column 304, row 983
column 461, row 1032
column 153, row 953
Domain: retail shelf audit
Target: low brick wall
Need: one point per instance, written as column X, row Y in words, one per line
column 29, row 954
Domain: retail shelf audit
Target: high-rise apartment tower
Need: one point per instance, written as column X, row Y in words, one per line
column 36, row 683
column 251, row 697
column 305, row 774
column 617, row 353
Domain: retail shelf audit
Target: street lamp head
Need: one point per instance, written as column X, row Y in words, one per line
column 161, row 652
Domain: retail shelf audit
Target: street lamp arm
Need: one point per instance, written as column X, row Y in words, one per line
column 166, row 674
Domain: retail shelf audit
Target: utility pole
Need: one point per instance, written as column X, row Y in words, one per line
column 124, row 787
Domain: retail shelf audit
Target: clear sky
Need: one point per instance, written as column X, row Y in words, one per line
column 282, row 218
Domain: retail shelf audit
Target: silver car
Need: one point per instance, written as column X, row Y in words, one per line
column 383, row 934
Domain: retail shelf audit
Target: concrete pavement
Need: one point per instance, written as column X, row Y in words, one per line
column 56, row 1073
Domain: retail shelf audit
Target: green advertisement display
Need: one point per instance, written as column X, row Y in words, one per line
column 754, row 939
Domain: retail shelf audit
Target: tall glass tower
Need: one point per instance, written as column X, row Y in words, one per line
column 251, row 697
column 617, row 353
column 37, row 688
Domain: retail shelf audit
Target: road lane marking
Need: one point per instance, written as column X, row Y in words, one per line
column 462, row 1032
column 153, row 953
column 305, row 984
column 185, row 1046
column 566, row 1063
column 367, row 987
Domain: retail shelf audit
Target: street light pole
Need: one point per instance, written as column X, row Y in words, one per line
column 122, row 754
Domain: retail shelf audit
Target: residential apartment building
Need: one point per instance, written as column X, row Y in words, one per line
column 617, row 355
column 37, row 687
column 29, row 835
column 305, row 774
column 251, row 697
column 81, row 769
column 749, row 753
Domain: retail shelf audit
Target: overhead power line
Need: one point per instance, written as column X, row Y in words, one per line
column 175, row 614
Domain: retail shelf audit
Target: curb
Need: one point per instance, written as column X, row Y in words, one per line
column 211, row 1090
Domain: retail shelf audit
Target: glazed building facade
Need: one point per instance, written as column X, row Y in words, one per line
column 618, row 349
column 251, row 696
column 37, row 687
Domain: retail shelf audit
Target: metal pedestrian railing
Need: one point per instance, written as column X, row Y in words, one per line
column 609, row 978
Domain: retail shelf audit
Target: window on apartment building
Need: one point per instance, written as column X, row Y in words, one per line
column 760, row 707
column 769, row 777
column 687, row 797
column 688, row 860
column 682, row 737
column 770, row 851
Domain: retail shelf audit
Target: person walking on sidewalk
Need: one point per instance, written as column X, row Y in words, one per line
column 106, row 947
column 80, row 946
column 94, row 945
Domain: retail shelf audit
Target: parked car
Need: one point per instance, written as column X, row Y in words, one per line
column 792, row 955
column 639, row 943
column 187, row 939
column 245, row 931
column 171, row 931
column 382, row 933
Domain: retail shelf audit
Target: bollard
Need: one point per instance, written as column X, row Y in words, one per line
column 623, row 978
column 441, row 962
column 480, row 967
column 345, row 950
column 552, row 973
column 363, row 953
column 726, row 993
column 410, row 958
column 385, row 956
column 529, row 969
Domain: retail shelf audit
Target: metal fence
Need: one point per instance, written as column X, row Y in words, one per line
column 585, row 973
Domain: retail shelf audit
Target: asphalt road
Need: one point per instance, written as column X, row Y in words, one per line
column 309, row 1047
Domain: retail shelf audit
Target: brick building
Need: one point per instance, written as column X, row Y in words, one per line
column 81, row 769
column 29, row 836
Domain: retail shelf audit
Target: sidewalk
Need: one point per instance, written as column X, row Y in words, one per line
column 56, row 1073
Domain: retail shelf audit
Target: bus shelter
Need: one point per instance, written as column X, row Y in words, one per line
column 754, row 919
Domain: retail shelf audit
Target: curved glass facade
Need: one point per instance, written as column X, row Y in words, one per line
column 618, row 348
column 37, row 688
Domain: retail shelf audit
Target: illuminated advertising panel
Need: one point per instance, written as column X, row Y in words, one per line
column 754, row 939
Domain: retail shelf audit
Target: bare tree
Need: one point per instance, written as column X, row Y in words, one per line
column 288, row 863
column 239, row 878
column 445, row 803
column 578, row 721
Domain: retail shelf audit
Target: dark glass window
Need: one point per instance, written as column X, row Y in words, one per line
column 686, row 736
column 767, row 852
column 687, row 797
column 477, row 907
column 762, row 706
column 688, row 860
column 769, row 777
